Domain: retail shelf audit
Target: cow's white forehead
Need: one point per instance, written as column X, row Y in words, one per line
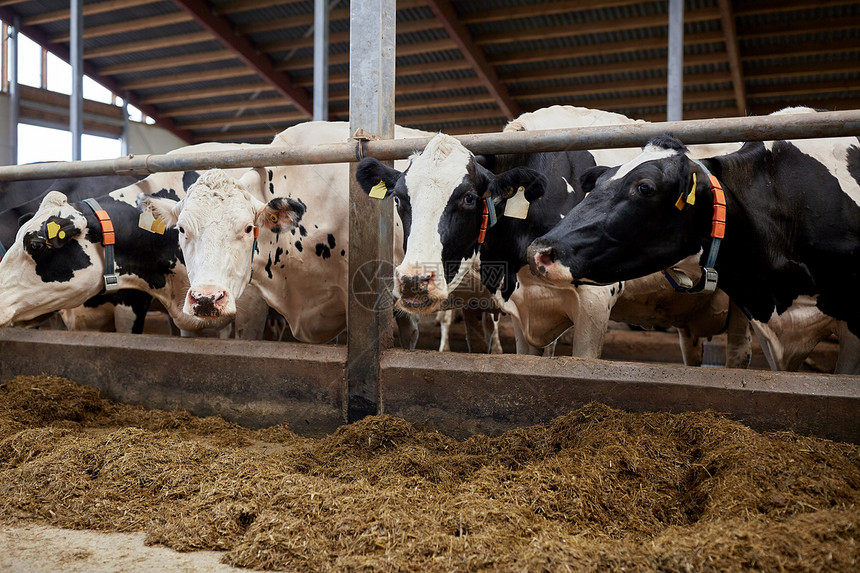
column 215, row 198
column 437, row 170
column 649, row 153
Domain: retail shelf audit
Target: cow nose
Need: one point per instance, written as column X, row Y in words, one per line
column 207, row 303
column 541, row 257
column 414, row 285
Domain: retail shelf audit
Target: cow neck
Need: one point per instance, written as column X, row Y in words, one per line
column 708, row 281
column 108, row 241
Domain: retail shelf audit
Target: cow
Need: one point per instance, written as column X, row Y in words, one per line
column 446, row 194
column 299, row 258
column 57, row 260
column 777, row 223
column 20, row 199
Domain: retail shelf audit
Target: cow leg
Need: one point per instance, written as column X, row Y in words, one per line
column 99, row 318
column 591, row 321
column 691, row 348
column 407, row 326
column 849, row 352
column 475, row 339
column 738, row 339
column 523, row 347
column 445, row 317
column 495, row 340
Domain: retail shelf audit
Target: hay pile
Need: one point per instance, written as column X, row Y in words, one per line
column 595, row 490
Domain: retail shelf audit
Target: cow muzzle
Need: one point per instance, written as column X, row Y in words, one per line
column 543, row 262
column 419, row 291
column 208, row 302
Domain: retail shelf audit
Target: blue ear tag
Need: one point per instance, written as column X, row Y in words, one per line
column 491, row 210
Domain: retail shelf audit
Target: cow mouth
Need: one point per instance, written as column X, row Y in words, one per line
column 419, row 304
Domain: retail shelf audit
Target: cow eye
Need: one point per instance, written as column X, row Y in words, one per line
column 34, row 246
column 181, row 230
column 645, row 189
column 249, row 228
column 470, row 199
column 397, row 201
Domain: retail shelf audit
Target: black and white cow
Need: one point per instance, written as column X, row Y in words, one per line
column 57, row 259
column 20, row 199
column 442, row 198
column 791, row 225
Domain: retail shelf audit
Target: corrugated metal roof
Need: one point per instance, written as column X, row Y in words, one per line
column 608, row 54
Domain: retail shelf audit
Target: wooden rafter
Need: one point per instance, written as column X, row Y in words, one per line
column 169, row 63
column 247, row 52
column 458, row 32
column 128, row 26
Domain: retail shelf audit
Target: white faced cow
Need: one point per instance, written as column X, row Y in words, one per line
column 300, row 260
column 58, row 260
column 790, row 220
column 446, row 194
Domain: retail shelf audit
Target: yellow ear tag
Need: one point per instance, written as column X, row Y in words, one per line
column 53, row 228
column 148, row 222
column 691, row 198
column 379, row 190
column 517, row 206
column 158, row 226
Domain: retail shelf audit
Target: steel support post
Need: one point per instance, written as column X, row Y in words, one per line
column 76, row 59
column 14, row 90
column 371, row 108
column 675, row 80
column 126, row 126
column 321, row 60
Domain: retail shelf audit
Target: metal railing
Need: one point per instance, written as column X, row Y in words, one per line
column 781, row 126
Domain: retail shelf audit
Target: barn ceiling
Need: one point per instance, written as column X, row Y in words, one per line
column 242, row 70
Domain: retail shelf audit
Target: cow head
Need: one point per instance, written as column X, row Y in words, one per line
column 629, row 224
column 218, row 221
column 440, row 200
column 54, row 263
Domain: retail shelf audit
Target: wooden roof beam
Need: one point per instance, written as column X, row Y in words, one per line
column 128, row 26
column 168, row 63
column 89, row 9
column 458, row 32
column 188, row 95
column 247, row 52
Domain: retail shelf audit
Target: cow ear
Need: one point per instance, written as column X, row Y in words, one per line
column 281, row 214
column 376, row 178
column 57, row 231
column 505, row 185
column 590, row 176
column 167, row 209
column 487, row 161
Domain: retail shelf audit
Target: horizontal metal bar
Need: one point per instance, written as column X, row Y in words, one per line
column 783, row 126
